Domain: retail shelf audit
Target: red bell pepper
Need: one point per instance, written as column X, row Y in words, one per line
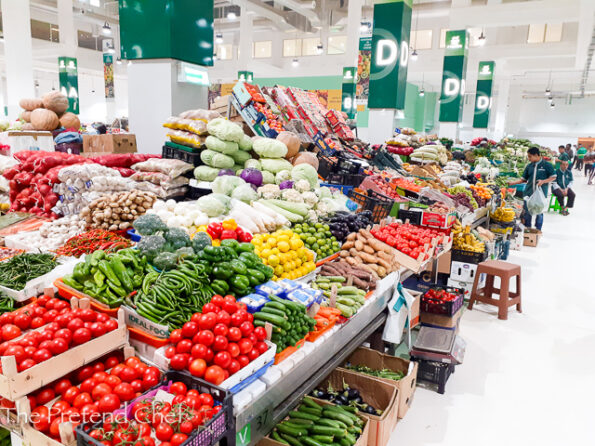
column 215, row 230
column 227, row 234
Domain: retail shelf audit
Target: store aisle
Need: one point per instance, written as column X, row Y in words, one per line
column 530, row 379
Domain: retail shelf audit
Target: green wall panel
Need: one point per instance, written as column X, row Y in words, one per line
column 453, row 76
column 305, row 82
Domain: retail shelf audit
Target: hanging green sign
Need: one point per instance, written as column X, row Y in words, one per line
column 453, row 76
column 69, row 83
column 246, row 76
column 483, row 95
column 390, row 54
column 348, row 86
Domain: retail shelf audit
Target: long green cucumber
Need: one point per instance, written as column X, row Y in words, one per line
column 273, row 319
column 291, row 440
column 305, row 409
column 310, row 402
column 311, row 442
column 328, row 439
column 325, row 430
column 335, row 415
column 291, row 430
column 278, row 438
column 303, row 415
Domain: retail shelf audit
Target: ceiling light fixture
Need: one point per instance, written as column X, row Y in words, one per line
column 231, row 15
column 422, row 92
column 414, row 55
column 106, row 28
column 548, row 91
column 552, row 105
column 129, row 62
column 319, row 48
column 295, row 62
column 364, row 27
column 119, row 61
column 481, row 40
column 219, row 38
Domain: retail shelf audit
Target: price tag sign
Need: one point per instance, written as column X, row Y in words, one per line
column 313, row 309
column 268, row 327
column 333, row 298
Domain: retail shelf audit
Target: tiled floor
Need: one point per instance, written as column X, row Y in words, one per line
column 529, row 380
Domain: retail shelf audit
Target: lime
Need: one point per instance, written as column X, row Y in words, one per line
column 315, row 246
column 326, row 227
column 318, row 225
column 310, row 240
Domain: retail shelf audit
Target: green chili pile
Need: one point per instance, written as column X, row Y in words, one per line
column 17, row 271
column 6, row 303
column 384, row 373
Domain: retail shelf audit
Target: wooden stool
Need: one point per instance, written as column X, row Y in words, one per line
column 505, row 271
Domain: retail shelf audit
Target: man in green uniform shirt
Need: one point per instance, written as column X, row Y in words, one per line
column 538, row 173
column 562, row 156
column 580, row 156
column 562, row 187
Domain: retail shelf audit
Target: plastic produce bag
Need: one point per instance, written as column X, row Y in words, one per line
column 399, row 316
column 537, row 202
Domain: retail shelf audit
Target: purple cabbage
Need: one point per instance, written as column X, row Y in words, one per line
column 287, row 184
column 252, row 176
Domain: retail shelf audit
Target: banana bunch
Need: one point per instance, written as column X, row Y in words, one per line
column 456, row 228
column 466, row 241
column 505, row 215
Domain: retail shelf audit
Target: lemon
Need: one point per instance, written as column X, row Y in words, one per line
column 283, row 238
column 272, row 241
column 273, row 260
column 266, row 252
column 283, row 246
column 293, row 255
column 279, row 270
column 298, row 262
column 275, row 251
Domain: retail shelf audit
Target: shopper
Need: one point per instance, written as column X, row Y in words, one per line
column 562, row 187
column 588, row 161
column 538, row 173
column 580, row 156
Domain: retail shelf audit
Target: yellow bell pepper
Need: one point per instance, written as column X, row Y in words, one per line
column 230, row 224
column 216, row 242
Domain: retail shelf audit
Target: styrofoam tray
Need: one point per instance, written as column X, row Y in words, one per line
column 35, row 287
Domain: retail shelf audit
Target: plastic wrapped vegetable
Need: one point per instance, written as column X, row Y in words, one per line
column 206, row 173
column 305, row 172
column 245, row 193
column 216, row 159
column 151, row 246
column 245, row 143
column 149, row 224
column 225, row 130
column 177, row 238
column 275, row 165
column 240, row 157
column 225, row 147
column 210, row 205
column 269, row 148
column 226, row 184
column 165, row 261
column 200, row 241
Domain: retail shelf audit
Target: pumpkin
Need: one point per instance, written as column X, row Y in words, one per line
column 291, row 141
column 70, row 120
column 31, row 104
column 44, row 119
column 26, row 116
column 308, row 158
column 56, row 102
column 27, row 126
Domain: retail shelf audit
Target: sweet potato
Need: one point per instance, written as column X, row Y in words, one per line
column 351, row 236
column 359, row 245
column 383, row 263
column 368, row 258
column 348, row 245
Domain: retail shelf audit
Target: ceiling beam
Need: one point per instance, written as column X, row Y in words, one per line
column 300, row 9
column 263, row 10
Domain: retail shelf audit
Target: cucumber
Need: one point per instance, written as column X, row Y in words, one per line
column 345, row 310
column 278, row 438
column 335, row 415
column 291, row 440
column 275, row 311
column 311, row 442
column 302, row 422
column 345, row 410
column 336, row 278
column 354, row 430
column 276, row 305
column 332, row 423
column 291, row 430
column 311, row 403
column 305, row 409
column 322, row 279
column 347, row 290
column 342, row 300
column 328, row 439
column 292, row 423
column 345, row 442
column 351, row 438
column 303, row 415
column 262, row 324
column 326, row 430
column 273, row 319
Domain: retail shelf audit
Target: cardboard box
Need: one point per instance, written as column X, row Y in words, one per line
column 442, row 321
column 113, row 143
column 463, row 272
column 376, row 360
column 414, row 318
column 531, row 237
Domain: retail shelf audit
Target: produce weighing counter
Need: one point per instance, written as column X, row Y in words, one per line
column 283, row 385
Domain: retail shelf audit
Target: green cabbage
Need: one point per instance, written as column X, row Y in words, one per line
column 210, row 205
column 245, row 193
column 226, row 184
column 216, row 159
column 206, row 173
column 225, row 147
column 245, row 143
column 269, row 148
column 275, row 165
column 240, row 157
column 305, row 172
column 225, row 130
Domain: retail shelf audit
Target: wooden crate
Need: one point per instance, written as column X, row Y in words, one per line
column 14, row 385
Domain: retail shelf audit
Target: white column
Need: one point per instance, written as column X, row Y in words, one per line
column 67, row 29
column 354, row 20
column 245, row 43
column 449, row 130
column 18, row 53
column 499, row 112
column 381, row 125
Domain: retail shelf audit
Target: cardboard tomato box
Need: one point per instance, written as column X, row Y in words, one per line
column 378, row 361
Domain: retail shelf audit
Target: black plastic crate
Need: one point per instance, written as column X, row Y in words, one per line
column 458, row 255
column 326, row 166
column 434, row 372
column 445, row 308
column 220, row 428
column 346, row 179
column 194, row 193
column 380, row 208
column 414, row 217
column 182, row 155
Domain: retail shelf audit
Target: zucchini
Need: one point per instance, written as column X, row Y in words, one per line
column 311, row 403
column 347, row 290
column 275, row 311
column 332, row 423
column 345, row 310
column 276, row 305
column 311, row 442
column 306, row 409
column 302, row 422
column 336, row 278
column 273, row 319
column 328, row 439
column 291, row 430
column 342, row 300
column 262, row 324
column 303, row 415
column 326, row 430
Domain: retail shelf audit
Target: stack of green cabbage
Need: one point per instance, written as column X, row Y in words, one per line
column 272, row 163
column 227, row 148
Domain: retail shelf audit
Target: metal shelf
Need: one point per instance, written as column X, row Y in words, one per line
column 265, row 411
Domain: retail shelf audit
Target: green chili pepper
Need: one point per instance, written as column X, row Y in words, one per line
column 106, row 269
column 99, row 278
column 97, row 256
column 71, row 282
column 122, row 273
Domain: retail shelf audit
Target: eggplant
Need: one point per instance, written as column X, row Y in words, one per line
column 358, row 400
column 341, row 400
column 319, row 394
column 351, row 394
column 370, row 410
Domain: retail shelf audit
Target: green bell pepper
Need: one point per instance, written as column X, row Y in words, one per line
column 240, row 282
column 79, row 272
column 220, row 287
column 238, row 267
column 72, row 282
column 256, row 277
column 228, row 253
column 223, row 270
column 250, row 259
column 245, row 247
column 231, row 243
column 213, row 253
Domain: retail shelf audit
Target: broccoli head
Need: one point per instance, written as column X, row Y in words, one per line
column 149, row 224
column 184, row 252
column 177, row 238
column 151, row 246
column 165, row 261
column 200, row 240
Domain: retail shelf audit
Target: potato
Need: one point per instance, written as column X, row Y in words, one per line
column 359, row 245
column 368, row 258
column 369, row 249
column 351, row 236
column 348, row 245
column 344, row 254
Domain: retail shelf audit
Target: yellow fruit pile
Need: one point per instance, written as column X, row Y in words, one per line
column 505, row 215
column 284, row 251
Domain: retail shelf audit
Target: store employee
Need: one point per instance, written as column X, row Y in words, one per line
column 563, row 187
column 541, row 173
column 563, row 156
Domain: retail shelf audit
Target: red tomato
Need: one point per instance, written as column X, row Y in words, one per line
column 175, row 336
column 75, row 324
column 22, row 320
column 82, row 399
column 146, row 441
column 124, row 391
column 220, row 343
column 207, row 321
column 252, row 338
column 10, row 332
column 198, row 351
column 17, row 351
column 214, row 374
column 178, row 361
column 235, row 334
column 245, row 346
column 184, row 346
column 112, row 361
column 128, row 374
column 112, row 381
column 100, row 390
column 234, row 366
column 81, row 336
column 222, row 359
column 42, row 355
column 70, row 394
column 45, row 396
column 220, row 330
column 37, row 322
column 189, row 329
column 236, row 319
column 260, row 333
column 233, row 349
column 63, row 333
column 217, row 300
column 243, row 360
column 98, row 329
column 50, row 315
column 186, row 427
column 223, row 317
column 246, row 328
column 54, row 428
column 178, row 439
column 178, row 388
column 209, row 355
column 100, row 377
column 6, row 318
column 207, row 399
column 40, row 416
column 149, row 380
column 253, row 354
column 137, row 385
column 59, row 406
column 62, row 386
column 164, row 432
column 101, row 317
column 204, row 337
column 170, row 351
column 58, row 346
column 197, row 367
column 261, row 346
column 88, row 385
column 230, row 307
column 109, row 403
column 25, row 365
column 111, row 325
column 210, row 308
column 88, row 315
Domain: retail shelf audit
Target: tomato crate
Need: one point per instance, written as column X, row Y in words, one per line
column 220, row 428
column 438, row 306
